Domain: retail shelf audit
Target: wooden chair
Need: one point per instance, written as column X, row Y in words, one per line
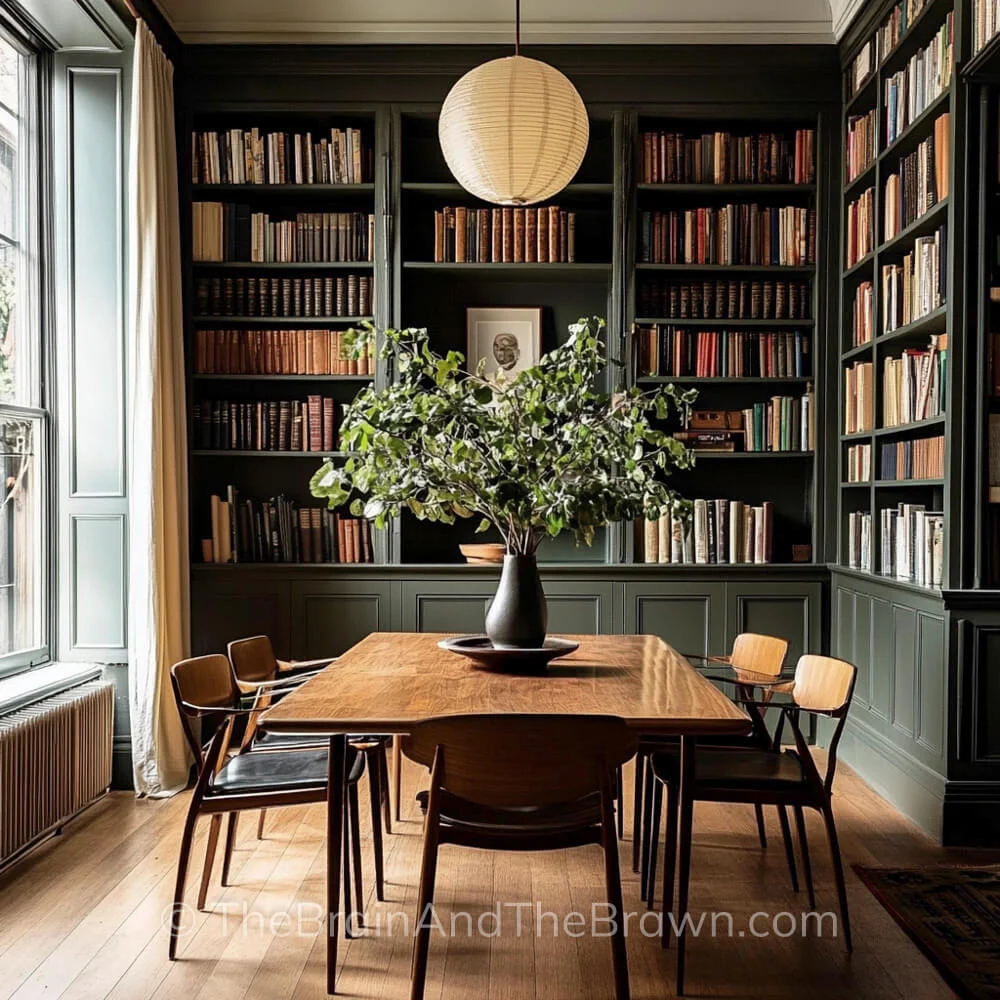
column 208, row 699
column 260, row 673
column 761, row 776
column 520, row 783
column 754, row 660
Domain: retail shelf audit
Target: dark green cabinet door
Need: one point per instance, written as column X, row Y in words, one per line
column 690, row 615
column 225, row 610
column 792, row 611
column 330, row 616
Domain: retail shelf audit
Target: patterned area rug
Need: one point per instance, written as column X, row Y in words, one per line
column 952, row 914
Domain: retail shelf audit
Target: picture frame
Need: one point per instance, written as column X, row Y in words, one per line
column 509, row 338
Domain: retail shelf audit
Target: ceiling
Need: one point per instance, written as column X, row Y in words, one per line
column 485, row 21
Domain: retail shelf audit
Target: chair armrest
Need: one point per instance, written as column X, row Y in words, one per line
column 287, row 667
column 704, row 658
column 215, row 710
column 286, row 682
column 777, row 685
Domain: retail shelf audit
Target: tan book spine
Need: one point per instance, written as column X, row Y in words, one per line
column 553, row 237
column 507, row 256
column 519, row 214
column 542, row 224
column 496, row 236
column 461, row 223
column 530, row 235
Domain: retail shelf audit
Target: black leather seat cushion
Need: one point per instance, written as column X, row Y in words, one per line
column 294, row 770
column 531, row 820
column 721, row 766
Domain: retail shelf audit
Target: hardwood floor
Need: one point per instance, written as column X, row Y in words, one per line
column 81, row 916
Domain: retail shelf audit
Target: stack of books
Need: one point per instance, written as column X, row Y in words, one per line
column 913, row 385
column 730, row 234
column 862, row 66
column 863, row 314
column 308, row 298
column 921, row 458
column 279, row 352
column 858, row 397
column 897, row 24
column 249, row 156
column 718, row 531
column 783, row 423
column 859, row 540
column 724, row 299
column 913, row 544
column 859, row 463
column 920, row 182
column 545, row 235
column 266, row 425
column 280, row 531
column 861, row 130
column 665, row 350
column 722, row 158
column 924, row 78
column 860, row 235
column 228, row 232
column 915, row 287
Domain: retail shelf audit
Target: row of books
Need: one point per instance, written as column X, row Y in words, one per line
column 924, row 78
column 730, row 234
column 920, row 182
column 921, row 458
column 858, row 397
column 723, row 158
column 985, row 22
column 859, row 540
column 723, row 299
column 278, row 352
column 280, row 531
column 665, row 350
column 861, row 130
column 915, row 287
column 266, row 425
column 859, row 463
column 862, row 66
column 504, row 235
column 895, row 26
column 306, row 298
column 859, row 239
column 231, row 232
column 912, row 544
column 249, row 156
column 718, row 531
column 863, row 314
column 782, row 423
column 913, row 385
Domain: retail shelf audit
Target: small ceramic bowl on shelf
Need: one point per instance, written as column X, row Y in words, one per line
column 483, row 552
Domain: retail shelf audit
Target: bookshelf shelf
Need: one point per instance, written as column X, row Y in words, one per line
column 859, row 101
column 926, row 224
column 326, row 190
column 247, row 265
column 700, row 455
column 917, row 33
column 917, row 425
column 705, row 188
column 857, row 352
column 749, row 324
column 775, row 269
column 884, row 578
column 578, row 272
column 896, row 484
column 211, row 377
column 857, row 267
column 865, row 484
column 729, row 380
column 453, row 189
column 933, row 322
column 316, row 456
column 905, row 141
column 857, row 436
column 276, row 321
column 865, row 179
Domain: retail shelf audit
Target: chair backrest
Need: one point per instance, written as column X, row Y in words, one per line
column 506, row 761
column 823, row 684
column 253, row 659
column 759, row 654
column 205, row 681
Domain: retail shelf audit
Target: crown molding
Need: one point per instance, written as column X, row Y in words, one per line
column 845, row 16
column 494, row 32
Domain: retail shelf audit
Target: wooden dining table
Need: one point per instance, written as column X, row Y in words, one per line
column 391, row 680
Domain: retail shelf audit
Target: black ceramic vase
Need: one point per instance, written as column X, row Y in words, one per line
column 518, row 617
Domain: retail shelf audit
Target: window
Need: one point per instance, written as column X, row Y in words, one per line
column 23, row 420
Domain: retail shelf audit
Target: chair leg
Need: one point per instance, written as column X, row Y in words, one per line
column 647, row 815
column 613, row 880
column 640, row 769
column 376, row 778
column 177, row 913
column 800, row 823
column 355, row 813
column 758, row 811
column 383, row 790
column 669, row 865
column 786, row 834
column 620, row 802
column 397, row 774
column 260, row 824
column 654, row 842
column 206, row 871
column 425, row 899
column 684, row 862
column 227, row 857
column 838, row 871
column 349, row 916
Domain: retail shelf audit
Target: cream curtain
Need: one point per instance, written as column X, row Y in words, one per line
column 158, row 526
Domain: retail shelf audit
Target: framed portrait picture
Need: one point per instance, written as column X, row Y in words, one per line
column 509, row 339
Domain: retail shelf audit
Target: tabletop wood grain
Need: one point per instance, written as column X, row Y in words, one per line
column 390, row 680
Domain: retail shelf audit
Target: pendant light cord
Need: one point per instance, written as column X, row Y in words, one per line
column 517, row 27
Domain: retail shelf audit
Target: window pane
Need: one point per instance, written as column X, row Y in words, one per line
column 21, row 584
column 10, row 83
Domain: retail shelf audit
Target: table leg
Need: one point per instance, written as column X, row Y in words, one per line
column 334, row 841
column 684, row 860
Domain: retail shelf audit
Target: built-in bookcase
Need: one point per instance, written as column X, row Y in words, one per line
column 897, row 203
column 711, row 321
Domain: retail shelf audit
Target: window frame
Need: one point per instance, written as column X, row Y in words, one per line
column 37, row 196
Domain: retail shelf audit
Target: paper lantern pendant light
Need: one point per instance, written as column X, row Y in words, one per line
column 514, row 130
